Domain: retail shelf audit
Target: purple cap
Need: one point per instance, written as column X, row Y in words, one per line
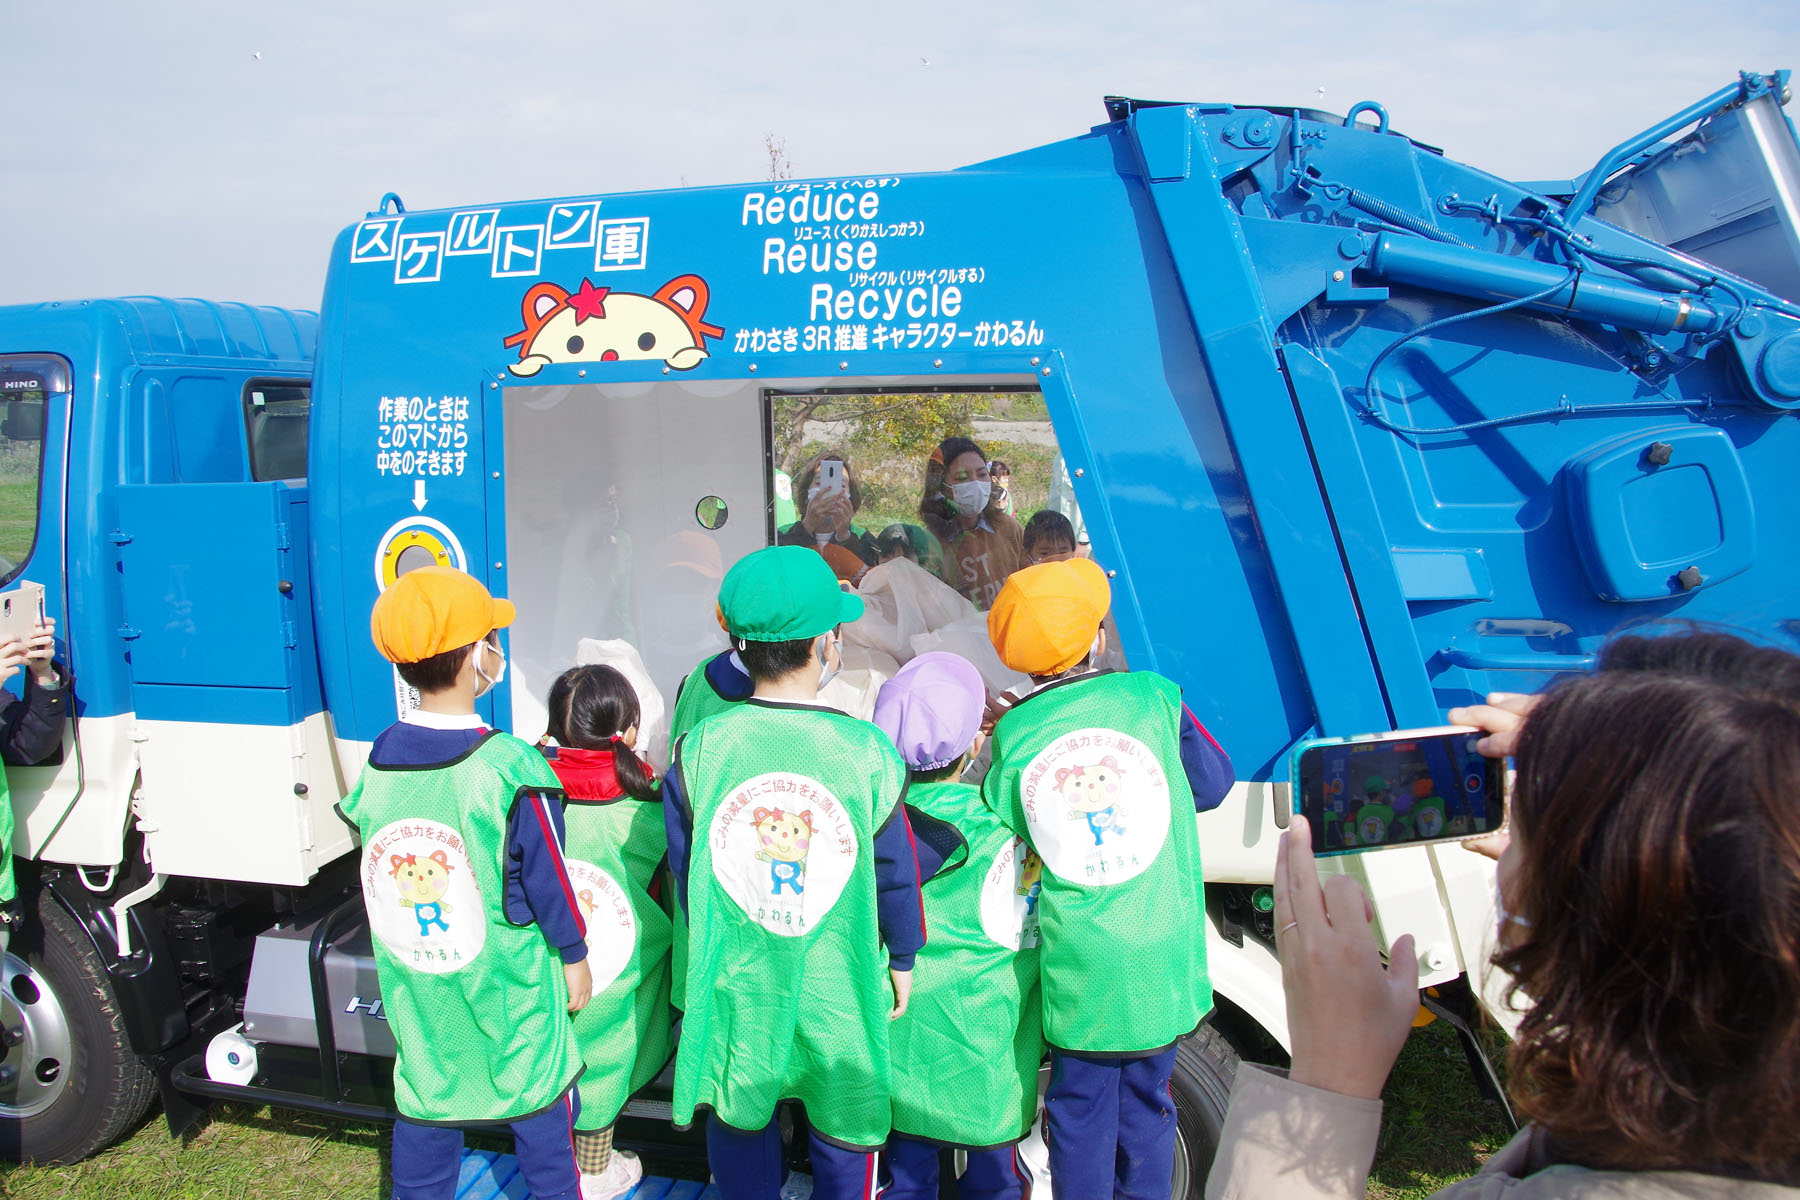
column 932, row 709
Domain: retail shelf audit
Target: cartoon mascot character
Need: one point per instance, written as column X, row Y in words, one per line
column 422, row 883
column 785, row 839
column 597, row 324
column 1092, row 792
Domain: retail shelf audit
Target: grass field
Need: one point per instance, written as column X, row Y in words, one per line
column 1437, row 1129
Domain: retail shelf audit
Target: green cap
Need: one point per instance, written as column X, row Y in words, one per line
column 783, row 594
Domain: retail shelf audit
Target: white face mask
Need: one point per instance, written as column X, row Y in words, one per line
column 488, row 682
column 1502, row 916
column 972, row 495
column 829, row 669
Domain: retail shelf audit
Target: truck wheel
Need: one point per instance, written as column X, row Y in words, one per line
column 1205, row 1068
column 69, row 1084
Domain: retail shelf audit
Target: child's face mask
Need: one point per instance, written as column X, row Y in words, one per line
column 488, row 682
column 831, row 659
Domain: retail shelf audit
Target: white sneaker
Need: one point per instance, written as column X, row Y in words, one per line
column 797, row 1186
column 622, row 1174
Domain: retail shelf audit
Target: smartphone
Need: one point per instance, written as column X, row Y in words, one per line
column 830, row 478
column 21, row 610
column 1406, row 788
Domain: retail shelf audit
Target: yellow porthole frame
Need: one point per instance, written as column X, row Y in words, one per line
column 408, row 539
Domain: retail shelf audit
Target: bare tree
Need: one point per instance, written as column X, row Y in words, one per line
column 779, row 166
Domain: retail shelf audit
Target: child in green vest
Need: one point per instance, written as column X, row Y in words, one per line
column 615, row 847
column 479, row 944
column 794, row 862
column 715, row 685
column 1101, row 772
column 966, row 1052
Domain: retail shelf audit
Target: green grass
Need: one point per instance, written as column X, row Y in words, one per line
column 18, row 517
column 1437, row 1129
column 1436, row 1126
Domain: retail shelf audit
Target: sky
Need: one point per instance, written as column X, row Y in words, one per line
column 148, row 149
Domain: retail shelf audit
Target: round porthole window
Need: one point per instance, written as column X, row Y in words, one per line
column 711, row 512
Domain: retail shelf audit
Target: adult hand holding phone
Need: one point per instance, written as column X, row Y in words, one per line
column 13, row 652
column 40, row 650
column 828, row 515
column 1502, row 716
column 1348, row 1015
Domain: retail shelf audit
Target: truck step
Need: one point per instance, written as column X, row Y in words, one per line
column 489, row 1176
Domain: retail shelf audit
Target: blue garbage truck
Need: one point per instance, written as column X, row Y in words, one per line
column 1358, row 432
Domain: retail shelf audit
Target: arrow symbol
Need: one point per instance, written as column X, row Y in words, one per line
column 419, row 494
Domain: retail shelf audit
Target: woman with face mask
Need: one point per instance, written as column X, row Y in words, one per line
column 981, row 544
column 826, row 496
column 1648, row 906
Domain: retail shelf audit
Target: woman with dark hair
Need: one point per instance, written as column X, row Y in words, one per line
column 1649, row 908
column 616, row 844
column 981, row 544
column 827, row 495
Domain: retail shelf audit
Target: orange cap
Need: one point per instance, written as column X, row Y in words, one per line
column 433, row 609
column 1045, row 618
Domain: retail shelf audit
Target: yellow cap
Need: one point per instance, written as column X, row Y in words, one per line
column 433, row 609
column 1045, row 618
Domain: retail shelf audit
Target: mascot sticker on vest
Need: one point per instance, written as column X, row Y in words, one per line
column 1009, row 897
column 783, row 848
column 422, row 898
column 611, row 925
column 1097, row 804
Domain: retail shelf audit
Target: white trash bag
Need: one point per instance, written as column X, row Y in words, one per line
column 653, row 714
column 902, row 600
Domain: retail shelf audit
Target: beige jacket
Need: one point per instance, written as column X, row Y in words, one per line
column 1286, row 1141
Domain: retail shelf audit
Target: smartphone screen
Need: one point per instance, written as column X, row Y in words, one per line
column 1398, row 790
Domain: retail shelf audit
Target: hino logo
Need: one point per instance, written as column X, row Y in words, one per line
column 372, row 1007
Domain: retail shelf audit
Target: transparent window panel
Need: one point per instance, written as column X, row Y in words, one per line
column 610, row 492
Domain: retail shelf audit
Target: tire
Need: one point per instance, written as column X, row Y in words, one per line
column 76, row 1087
column 1205, row 1068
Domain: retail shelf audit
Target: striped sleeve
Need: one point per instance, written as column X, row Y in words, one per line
column 534, row 844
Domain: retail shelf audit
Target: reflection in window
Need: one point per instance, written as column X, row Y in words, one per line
column 947, row 479
column 275, row 418
column 26, row 382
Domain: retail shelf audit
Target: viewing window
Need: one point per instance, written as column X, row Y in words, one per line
column 26, row 383
column 275, row 420
column 970, row 484
column 967, row 482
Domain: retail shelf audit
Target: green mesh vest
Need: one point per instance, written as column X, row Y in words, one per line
column 477, row 1004
column 695, row 701
column 614, row 848
column 1089, row 772
column 787, row 991
column 967, row 1049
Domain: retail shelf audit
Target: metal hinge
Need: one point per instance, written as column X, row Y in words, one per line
column 281, row 535
column 290, row 639
column 118, row 537
column 128, row 633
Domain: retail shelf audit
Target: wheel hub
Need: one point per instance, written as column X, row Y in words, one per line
column 34, row 1034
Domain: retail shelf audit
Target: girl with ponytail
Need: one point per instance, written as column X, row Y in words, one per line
column 616, row 845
